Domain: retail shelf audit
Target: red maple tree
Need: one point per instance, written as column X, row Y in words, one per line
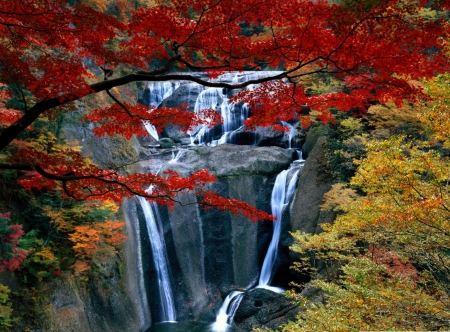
column 10, row 255
column 49, row 47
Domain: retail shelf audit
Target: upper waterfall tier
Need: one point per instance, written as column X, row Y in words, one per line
column 198, row 98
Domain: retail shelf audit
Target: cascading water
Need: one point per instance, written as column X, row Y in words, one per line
column 291, row 134
column 155, row 93
column 281, row 195
column 154, row 227
column 233, row 115
column 221, row 323
column 279, row 200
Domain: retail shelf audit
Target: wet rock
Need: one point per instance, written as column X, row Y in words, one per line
column 166, row 143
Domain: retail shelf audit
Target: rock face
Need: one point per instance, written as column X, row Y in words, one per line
column 211, row 252
column 102, row 305
column 107, row 152
column 261, row 307
column 234, row 160
column 305, row 214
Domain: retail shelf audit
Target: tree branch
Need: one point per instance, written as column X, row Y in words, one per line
column 11, row 132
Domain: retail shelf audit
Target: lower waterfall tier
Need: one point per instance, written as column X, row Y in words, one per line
column 211, row 252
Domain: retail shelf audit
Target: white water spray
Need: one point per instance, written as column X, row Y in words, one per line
column 221, row 323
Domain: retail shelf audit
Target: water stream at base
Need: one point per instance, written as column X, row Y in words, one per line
column 221, row 323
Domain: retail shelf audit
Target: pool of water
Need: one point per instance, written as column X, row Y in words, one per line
column 184, row 327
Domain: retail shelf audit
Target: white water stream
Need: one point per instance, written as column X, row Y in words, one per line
column 154, row 227
column 282, row 192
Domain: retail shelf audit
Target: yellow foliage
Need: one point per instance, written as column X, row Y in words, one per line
column 100, row 5
column 351, row 126
column 389, row 116
column 65, row 219
column 403, row 218
column 369, row 298
column 436, row 114
column 45, row 255
column 109, row 205
column 338, row 196
column 5, row 307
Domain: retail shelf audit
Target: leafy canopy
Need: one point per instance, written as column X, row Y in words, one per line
column 53, row 51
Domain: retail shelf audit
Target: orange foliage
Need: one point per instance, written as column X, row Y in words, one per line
column 90, row 240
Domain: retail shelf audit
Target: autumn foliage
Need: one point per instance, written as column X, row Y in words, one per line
column 383, row 263
column 365, row 57
column 10, row 255
column 54, row 55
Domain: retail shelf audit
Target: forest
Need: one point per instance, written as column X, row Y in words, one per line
column 94, row 94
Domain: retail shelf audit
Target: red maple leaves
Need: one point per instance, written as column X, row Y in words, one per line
column 10, row 255
column 52, row 53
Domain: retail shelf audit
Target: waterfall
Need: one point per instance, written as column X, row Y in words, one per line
column 282, row 192
column 221, row 323
column 155, row 234
column 233, row 115
column 279, row 200
column 157, row 92
column 291, row 135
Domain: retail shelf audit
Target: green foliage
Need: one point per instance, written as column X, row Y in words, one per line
column 5, row 308
column 44, row 259
column 344, row 144
column 6, row 248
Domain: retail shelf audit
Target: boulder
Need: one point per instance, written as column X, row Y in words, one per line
column 263, row 308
